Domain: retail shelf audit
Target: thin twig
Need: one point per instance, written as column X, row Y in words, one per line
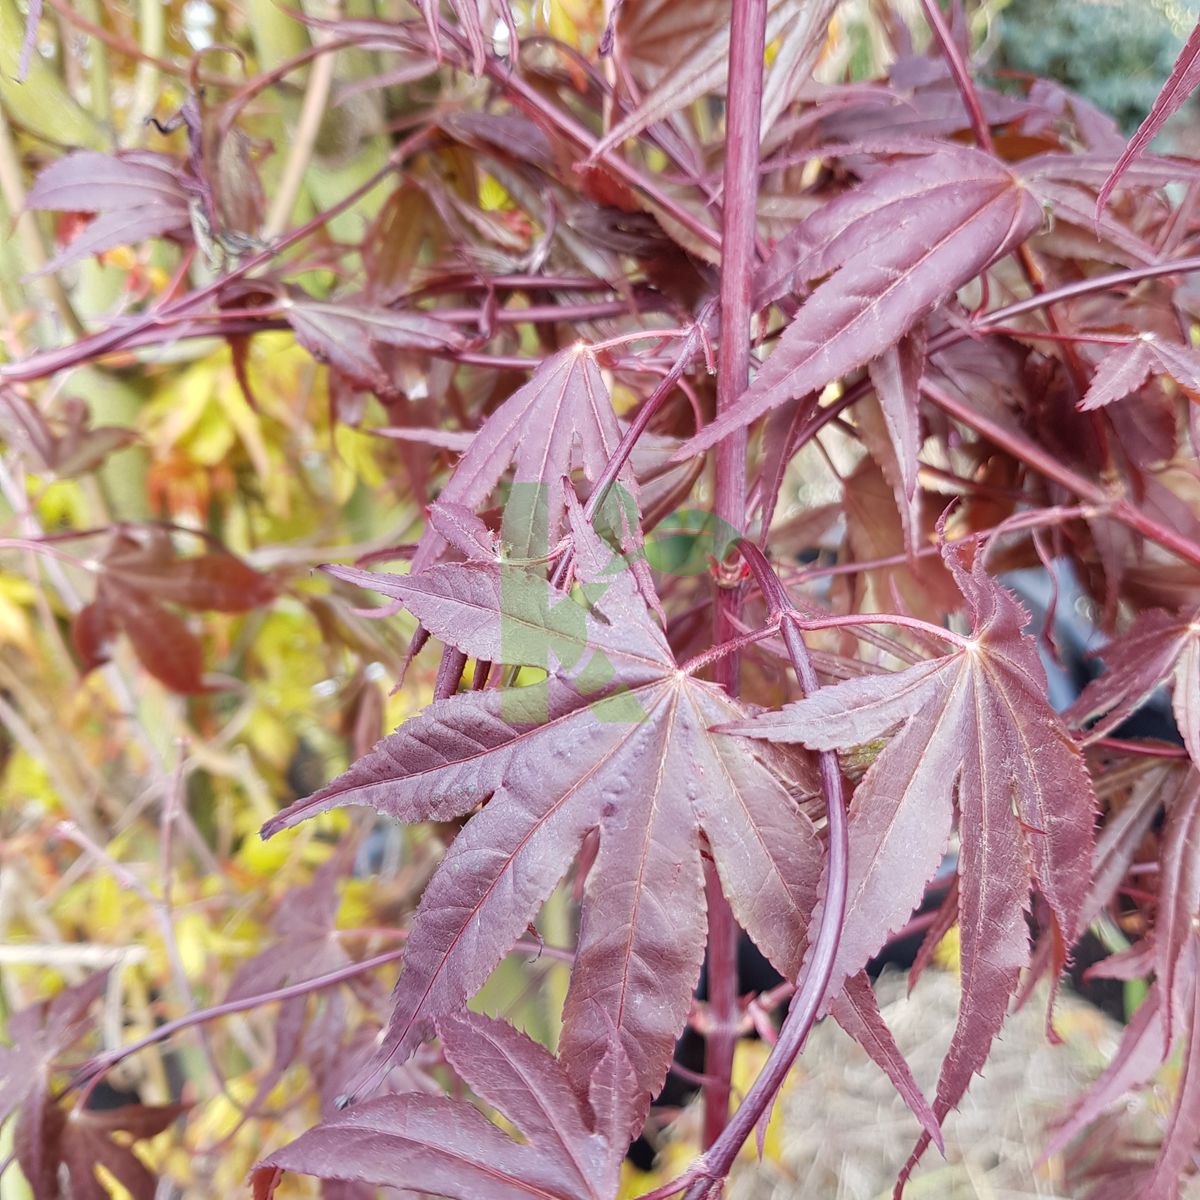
column 304, row 140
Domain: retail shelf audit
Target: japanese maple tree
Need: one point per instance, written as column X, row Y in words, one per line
column 726, row 387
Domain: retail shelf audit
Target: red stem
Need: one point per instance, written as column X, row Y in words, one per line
column 160, row 1033
column 637, row 426
column 706, row 1176
column 1083, row 287
column 105, row 1062
column 119, row 335
column 1051, row 467
column 739, row 224
column 962, row 74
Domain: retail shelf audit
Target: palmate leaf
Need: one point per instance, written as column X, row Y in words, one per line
column 50, row 1143
column 973, row 728
column 1125, row 369
column 1150, row 1038
column 74, row 1144
column 562, row 419
column 136, row 196
column 1170, row 1014
column 448, row 1148
column 888, row 253
column 616, row 739
column 1158, row 646
column 1184, row 78
column 135, row 574
column 684, row 51
column 39, row 1034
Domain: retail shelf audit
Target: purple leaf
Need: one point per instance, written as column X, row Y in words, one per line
column 616, row 739
column 1178, row 888
column 1126, row 368
column 975, row 727
column 896, row 377
column 449, row 1148
column 348, row 337
column 698, row 45
column 86, row 181
column 1179, row 1145
column 1157, row 647
column 1144, row 1046
column 1184, row 77
column 560, row 420
column 857, row 1011
column 138, row 196
column 891, row 256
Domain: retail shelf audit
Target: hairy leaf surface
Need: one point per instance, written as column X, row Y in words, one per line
column 1124, row 370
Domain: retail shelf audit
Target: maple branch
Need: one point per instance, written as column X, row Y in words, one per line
column 852, row 620
column 961, row 73
column 715, row 1163
column 1045, row 335
column 781, row 606
column 1053, row 468
column 692, row 665
column 738, row 232
column 1149, row 749
column 693, row 342
column 960, row 70
column 1069, row 291
column 102, row 1063
column 639, row 335
column 536, row 104
column 120, row 333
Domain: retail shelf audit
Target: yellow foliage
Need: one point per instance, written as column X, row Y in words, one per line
column 16, row 596
column 26, row 779
column 679, row 1149
column 947, row 954
column 356, row 908
column 748, row 1060
column 492, row 195
column 61, row 504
